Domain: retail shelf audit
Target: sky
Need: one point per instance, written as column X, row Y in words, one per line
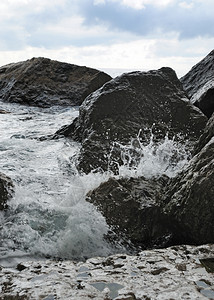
column 108, row 34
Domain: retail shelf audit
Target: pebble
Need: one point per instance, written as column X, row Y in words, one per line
column 158, row 274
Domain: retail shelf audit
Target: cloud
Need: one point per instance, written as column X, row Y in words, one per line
column 140, row 4
column 98, row 2
column 145, row 17
column 142, row 54
column 20, row 19
column 131, row 34
column 136, row 4
column 186, row 5
column 68, row 31
column 60, row 23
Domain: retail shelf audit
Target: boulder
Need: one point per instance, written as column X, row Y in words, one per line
column 131, row 207
column 199, row 84
column 189, row 200
column 206, row 136
column 6, row 190
column 43, row 82
column 133, row 105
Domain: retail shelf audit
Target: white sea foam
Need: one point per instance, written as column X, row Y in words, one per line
column 48, row 214
column 154, row 159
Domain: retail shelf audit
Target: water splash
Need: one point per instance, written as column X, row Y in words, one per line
column 167, row 157
column 48, row 214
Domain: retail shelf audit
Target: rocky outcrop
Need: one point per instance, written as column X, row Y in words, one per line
column 199, row 84
column 43, row 82
column 131, row 207
column 151, row 212
column 151, row 101
column 189, row 201
column 6, row 190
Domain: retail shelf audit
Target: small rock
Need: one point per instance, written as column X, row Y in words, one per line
column 129, row 296
column 2, row 111
column 20, row 267
column 181, row 267
column 159, row 271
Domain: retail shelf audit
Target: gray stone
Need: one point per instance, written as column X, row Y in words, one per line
column 131, row 207
column 189, row 200
column 43, row 82
column 199, row 84
column 207, row 135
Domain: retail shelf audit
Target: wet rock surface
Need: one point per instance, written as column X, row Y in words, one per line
column 199, row 84
column 146, row 211
column 131, row 207
column 6, row 190
column 178, row 272
column 153, row 102
column 43, row 82
column 189, row 197
column 206, row 136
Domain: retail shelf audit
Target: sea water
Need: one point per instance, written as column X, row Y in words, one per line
column 48, row 215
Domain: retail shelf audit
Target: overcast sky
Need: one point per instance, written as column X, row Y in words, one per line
column 126, row 34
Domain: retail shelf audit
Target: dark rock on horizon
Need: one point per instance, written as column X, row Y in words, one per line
column 199, row 84
column 131, row 207
column 189, row 200
column 6, row 190
column 44, row 82
column 153, row 102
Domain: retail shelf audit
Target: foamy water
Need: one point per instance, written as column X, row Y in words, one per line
column 48, row 215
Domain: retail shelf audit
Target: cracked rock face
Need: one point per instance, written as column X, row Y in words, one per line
column 179, row 272
column 43, row 82
column 199, row 84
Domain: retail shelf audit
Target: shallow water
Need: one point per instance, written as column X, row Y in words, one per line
column 48, row 215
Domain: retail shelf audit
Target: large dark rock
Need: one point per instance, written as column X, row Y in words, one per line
column 6, row 190
column 147, row 101
column 206, row 136
column 189, row 201
column 131, row 206
column 199, row 84
column 162, row 211
column 44, row 82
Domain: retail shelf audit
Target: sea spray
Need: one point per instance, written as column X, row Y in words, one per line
column 154, row 159
column 48, row 216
